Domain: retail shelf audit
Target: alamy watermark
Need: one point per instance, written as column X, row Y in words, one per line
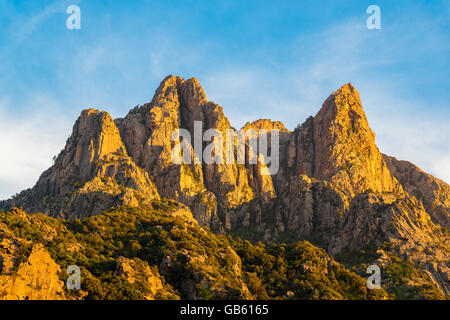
column 374, row 281
column 240, row 146
column 74, row 20
column 74, row 280
column 374, row 20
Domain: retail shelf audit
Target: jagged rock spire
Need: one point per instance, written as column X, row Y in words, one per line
column 90, row 175
column 94, row 136
column 338, row 145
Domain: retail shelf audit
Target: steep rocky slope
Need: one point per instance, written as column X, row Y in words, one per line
column 36, row 279
column 333, row 187
column 92, row 174
column 434, row 193
column 27, row 271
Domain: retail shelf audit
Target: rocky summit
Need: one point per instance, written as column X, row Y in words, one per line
column 335, row 205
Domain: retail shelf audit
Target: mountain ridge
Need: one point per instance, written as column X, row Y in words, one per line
column 334, row 187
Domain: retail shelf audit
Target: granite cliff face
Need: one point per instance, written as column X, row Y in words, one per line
column 432, row 192
column 92, row 174
column 333, row 186
column 34, row 278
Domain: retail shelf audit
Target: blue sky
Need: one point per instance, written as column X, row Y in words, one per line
column 257, row 59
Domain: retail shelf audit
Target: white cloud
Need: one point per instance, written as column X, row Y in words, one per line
column 418, row 138
column 28, row 142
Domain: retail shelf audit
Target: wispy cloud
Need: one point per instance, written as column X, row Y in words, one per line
column 29, row 142
column 24, row 26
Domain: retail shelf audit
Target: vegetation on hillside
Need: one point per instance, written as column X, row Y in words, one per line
column 189, row 261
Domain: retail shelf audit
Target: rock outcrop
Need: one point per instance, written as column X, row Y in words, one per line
column 136, row 271
column 265, row 124
column 434, row 193
column 35, row 279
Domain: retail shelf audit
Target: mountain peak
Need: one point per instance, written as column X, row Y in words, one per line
column 265, row 124
column 345, row 148
column 188, row 93
column 349, row 88
column 94, row 135
column 343, row 105
column 192, row 93
column 167, row 89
